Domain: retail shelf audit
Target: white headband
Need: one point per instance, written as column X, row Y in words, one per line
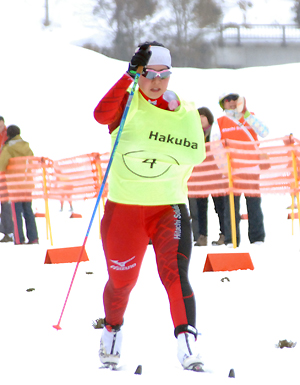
column 160, row 56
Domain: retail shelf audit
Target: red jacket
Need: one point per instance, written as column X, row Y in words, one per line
column 111, row 107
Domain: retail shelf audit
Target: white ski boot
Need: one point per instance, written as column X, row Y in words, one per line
column 187, row 354
column 110, row 347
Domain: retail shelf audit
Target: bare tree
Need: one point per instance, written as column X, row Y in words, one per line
column 296, row 9
column 180, row 27
column 47, row 21
column 127, row 20
column 244, row 6
column 182, row 30
column 208, row 13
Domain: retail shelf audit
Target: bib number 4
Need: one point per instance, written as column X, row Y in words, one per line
column 148, row 165
column 151, row 162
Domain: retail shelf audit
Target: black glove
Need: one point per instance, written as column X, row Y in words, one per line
column 140, row 58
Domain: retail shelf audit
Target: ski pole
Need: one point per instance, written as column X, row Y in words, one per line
column 122, row 123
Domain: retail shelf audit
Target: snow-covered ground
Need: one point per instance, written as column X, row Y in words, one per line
column 50, row 91
column 241, row 315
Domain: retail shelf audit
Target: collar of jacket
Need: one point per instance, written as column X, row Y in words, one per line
column 13, row 140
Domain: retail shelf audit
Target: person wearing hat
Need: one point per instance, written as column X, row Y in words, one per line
column 199, row 206
column 239, row 124
column 14, row 147
column 162, row 140
column 6, row 224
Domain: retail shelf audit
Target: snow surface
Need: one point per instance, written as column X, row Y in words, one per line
column 50, row 90
column 241, row 315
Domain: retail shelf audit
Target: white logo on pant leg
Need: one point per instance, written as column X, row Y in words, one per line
column 122, row 265
column 177, row 216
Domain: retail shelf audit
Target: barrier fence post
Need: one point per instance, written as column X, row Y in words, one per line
column 100, row 176
column 296, row 183
column 293, row 207
column 231, row 202
column 99, row 167
column 48, row 226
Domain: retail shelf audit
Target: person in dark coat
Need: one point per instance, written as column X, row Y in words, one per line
column 14, row 147
column 199, row 206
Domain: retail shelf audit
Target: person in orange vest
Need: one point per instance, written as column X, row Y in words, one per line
column 239, row 124
column 6, row 224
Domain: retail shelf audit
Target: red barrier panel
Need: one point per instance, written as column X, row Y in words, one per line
column 76, row 178
column 65, row 255
column 269, row 166
column 228, row 262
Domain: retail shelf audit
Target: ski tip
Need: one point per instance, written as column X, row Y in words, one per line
column 231, row 373
column 138, row 370
column 57, row 327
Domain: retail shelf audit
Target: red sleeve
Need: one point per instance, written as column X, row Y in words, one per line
column 110, row 108
column 3, row 138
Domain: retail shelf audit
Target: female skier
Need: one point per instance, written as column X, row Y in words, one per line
column 162, row 140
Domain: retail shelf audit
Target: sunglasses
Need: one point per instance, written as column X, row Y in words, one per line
column 151, row 74
column 231, row 97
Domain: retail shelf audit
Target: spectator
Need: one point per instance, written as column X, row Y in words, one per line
column 3, row 132
column 14, row 147
column 239, row 124
column 67, row 188
column 6, row 224
column 207, row 120
column 62, row 205
column 161, row 141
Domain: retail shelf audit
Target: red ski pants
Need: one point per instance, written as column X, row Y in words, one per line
column 126, row 230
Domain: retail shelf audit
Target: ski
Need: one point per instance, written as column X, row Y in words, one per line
column 115, row 367
column 195, row 367
column 112, row 367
